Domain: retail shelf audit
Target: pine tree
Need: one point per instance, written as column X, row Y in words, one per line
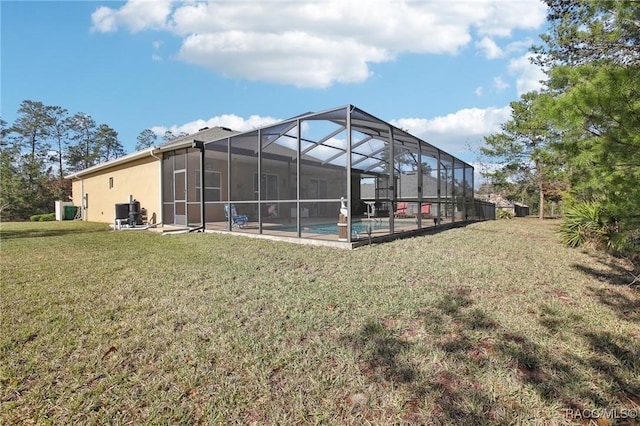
column 146, row 139
column 82, row 150
column 108, row 144
column 59, row 127
column 524, row 149
column 12, row 202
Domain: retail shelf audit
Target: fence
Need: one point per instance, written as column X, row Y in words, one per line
column 483, row 210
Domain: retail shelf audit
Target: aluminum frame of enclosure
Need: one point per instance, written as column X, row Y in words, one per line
column 288, row 179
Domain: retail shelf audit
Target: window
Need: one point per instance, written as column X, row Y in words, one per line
column 211, row 186
column 317, row 189
column 110, row 183
column 268, row 186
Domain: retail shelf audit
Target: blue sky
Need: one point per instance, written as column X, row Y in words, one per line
column 445, row 70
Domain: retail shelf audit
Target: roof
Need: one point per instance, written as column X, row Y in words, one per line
column 500, row 201
column 325, row 143
column 148, row 152
column 367, row 152
column 206, row 135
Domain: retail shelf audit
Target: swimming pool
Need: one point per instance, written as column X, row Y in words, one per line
column 358, row 228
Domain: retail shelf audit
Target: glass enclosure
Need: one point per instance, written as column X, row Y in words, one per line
column 338, row 175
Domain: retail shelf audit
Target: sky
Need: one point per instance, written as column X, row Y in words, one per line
column 445, row 70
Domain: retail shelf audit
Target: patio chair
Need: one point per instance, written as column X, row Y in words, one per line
column 425, row 209
column 236, row 219
column 401, row 210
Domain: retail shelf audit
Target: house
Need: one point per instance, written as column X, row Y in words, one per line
column 99, row 188
column 502, row 204
column 288, row 180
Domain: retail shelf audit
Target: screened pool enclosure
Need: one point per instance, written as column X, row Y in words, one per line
column 337, row 175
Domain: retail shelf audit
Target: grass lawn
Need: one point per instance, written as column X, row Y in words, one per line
column 494, row 323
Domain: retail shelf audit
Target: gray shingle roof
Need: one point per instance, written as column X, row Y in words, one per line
column 205, row 135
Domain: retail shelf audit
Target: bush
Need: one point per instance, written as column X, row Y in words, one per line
column 48, row 217
column 505, row 214
column 588, row 224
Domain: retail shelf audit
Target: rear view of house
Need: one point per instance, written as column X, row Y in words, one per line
column 292, row 179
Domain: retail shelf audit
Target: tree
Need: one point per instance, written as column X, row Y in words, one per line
column 82, row 151
column 146, row 139
column 11, row 182
column 524, row 148
column 29, row 171
column 168, row 135
column 31, row 127
column 587, row 31
column 36, row 149
column 59, row 127
column 31, row 130
column 108, row 145
column 592, row 53
column 599, row 112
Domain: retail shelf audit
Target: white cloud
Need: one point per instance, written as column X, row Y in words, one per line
column 156, row 47
column 135, row 15
column 104, row 20
column 482, row 167
column 519, row 46
column 231, row 121
column 479, row 90
column 319, row 43
column 489, row 48
column 529, row 76
column 297, row 58
column 499, row 84
column 500, row 18
column 459, row 132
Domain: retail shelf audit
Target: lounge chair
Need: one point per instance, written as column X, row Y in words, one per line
column 236, row 219
column 425, row 209
column 401, row 210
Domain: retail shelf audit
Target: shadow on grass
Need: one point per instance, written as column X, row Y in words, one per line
column 427, row 230
column 603, row 377
column 610, row 271
column 463, row 332
column 382, row 354
column 618, row 358
column 625, row 302
column 463, row 367
column 48, row 232
column 440, row 393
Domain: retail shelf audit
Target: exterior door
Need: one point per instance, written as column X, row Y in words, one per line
column 180, row 197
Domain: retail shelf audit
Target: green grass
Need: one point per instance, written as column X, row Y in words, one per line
column 494, row 323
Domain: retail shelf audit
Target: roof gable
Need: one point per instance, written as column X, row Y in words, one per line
column 207, row 135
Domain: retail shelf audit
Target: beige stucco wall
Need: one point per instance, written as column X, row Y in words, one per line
column 139, row 178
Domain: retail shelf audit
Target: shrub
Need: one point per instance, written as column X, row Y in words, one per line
column 589, row 224
column 505, row 214
column 48, row 217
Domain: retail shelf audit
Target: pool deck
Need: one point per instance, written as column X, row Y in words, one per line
column 403, row 228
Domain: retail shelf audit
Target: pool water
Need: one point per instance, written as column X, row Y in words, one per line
column 360, row 228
